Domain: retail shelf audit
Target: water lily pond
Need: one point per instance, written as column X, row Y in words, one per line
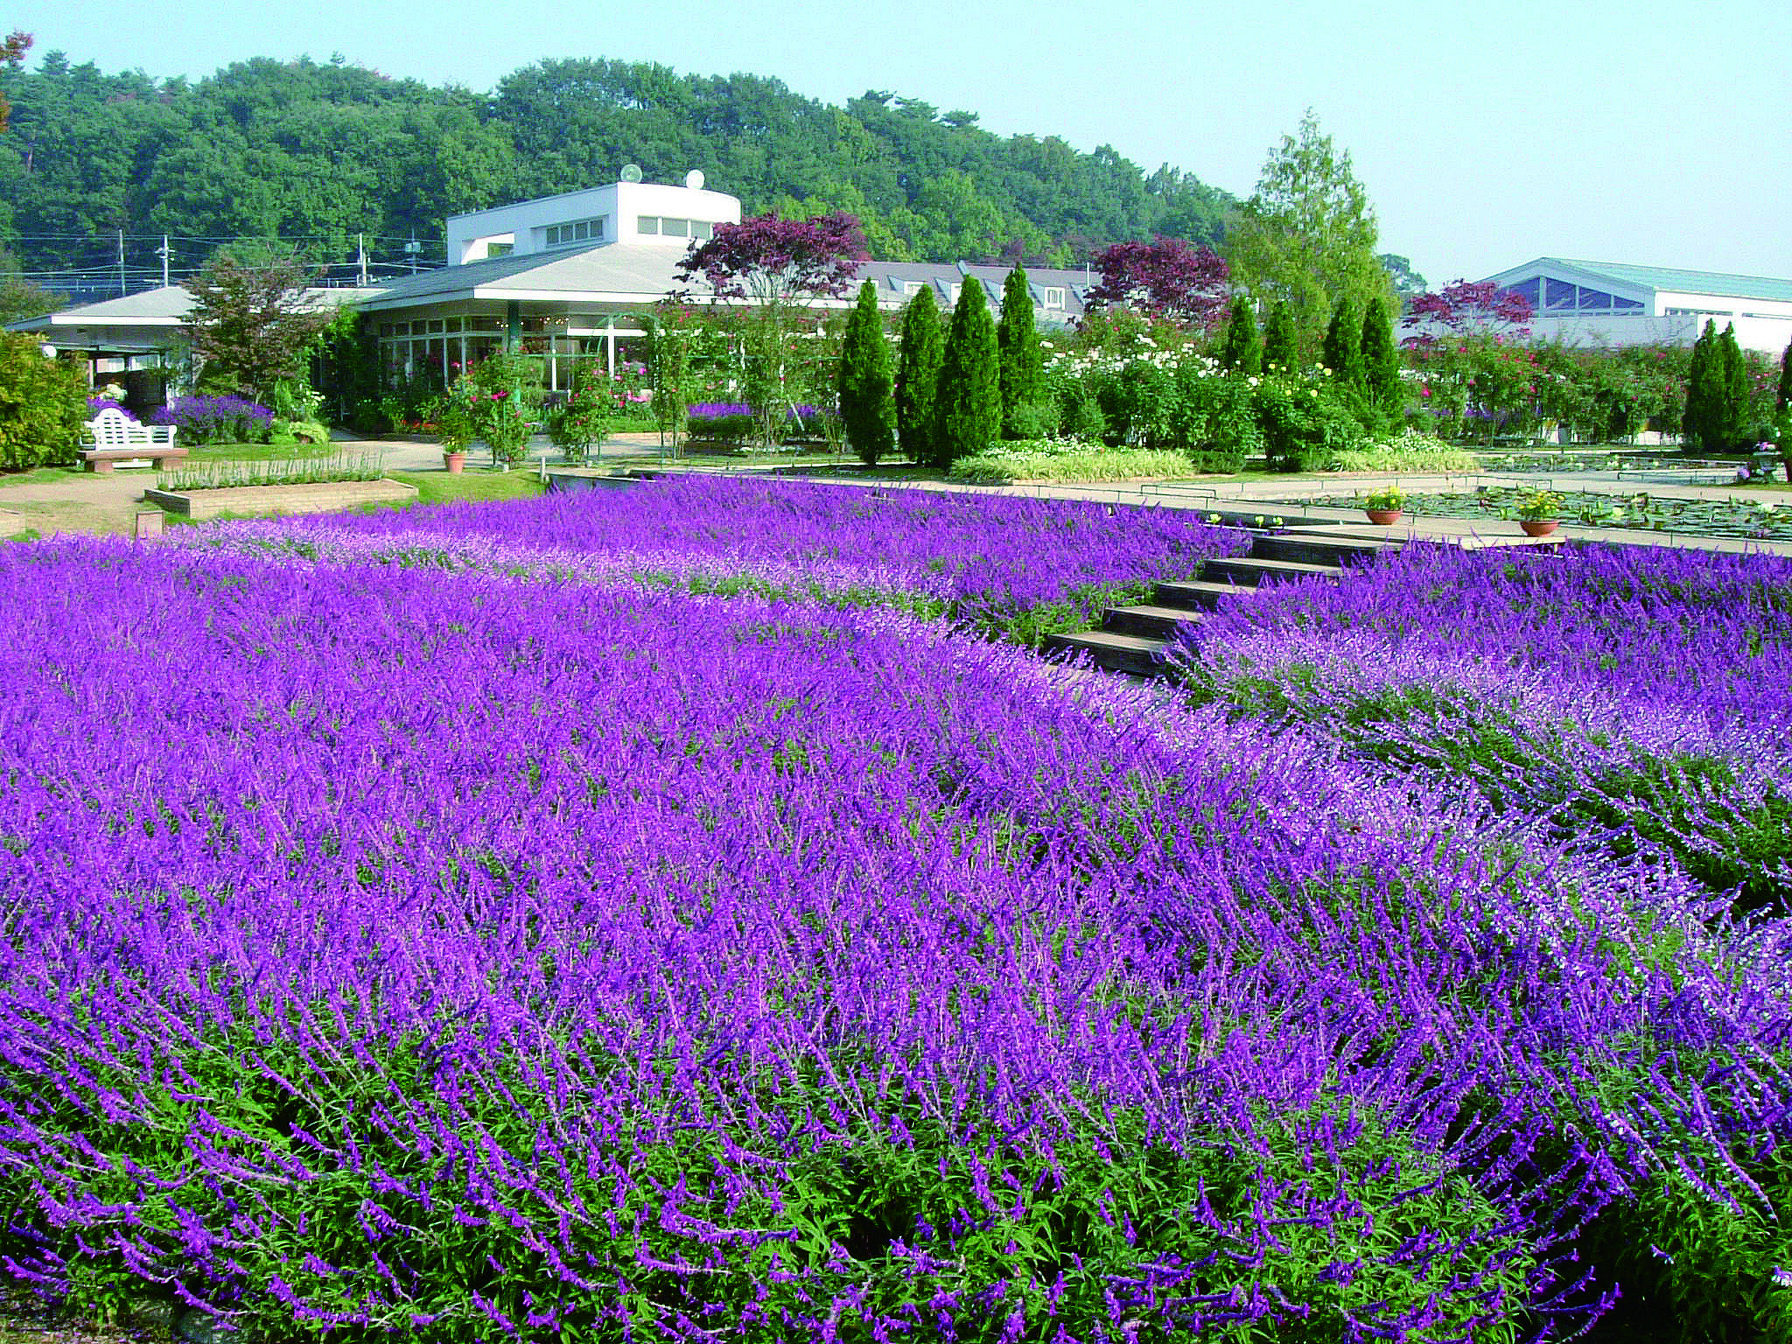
column 1762, row 520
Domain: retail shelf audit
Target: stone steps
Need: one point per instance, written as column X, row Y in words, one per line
column 1133, row 640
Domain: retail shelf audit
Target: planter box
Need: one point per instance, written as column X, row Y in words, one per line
column 271, row 499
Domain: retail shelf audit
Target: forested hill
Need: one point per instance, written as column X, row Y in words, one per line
column 326, row 151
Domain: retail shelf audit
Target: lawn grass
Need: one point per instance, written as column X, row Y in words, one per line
column 37, row 476
column 441, row 487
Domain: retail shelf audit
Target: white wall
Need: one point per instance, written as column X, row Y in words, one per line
column 620, row 205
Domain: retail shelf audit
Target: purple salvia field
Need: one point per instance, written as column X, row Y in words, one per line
column 480, row 955
column 987, row 561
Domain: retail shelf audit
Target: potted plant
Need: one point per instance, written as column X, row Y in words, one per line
column 1384, row 506
column 454, row 427
column 1539, row 512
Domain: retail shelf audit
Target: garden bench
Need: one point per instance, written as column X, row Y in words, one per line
column 118, row 438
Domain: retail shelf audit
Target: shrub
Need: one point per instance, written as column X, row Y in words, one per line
column 1281, row 341
column 1066, row 460
column 216, row 419
column 730, row 420
column 43, row 403
column 1303, row 429
column 1405, row 452
column 1018, row 342
column 584, row 419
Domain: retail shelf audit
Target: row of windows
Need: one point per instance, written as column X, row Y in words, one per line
column 1549, row 295
column 575, row 231
column 659, row 227
column 435, row 326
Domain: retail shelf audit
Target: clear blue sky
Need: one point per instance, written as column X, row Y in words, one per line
column 1485, row 133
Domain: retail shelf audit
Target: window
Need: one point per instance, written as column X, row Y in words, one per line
column 701, row 229
column 910, row 287
column 1054, row 296
column 1558, row 294
column 675, row 228
column 1529, row 290
column 498, row 249
column 648, row 224
column 575, row 231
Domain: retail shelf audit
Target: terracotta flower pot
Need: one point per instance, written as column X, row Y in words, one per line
column 455, row 462
column 1384, row 517
column 1539, row 527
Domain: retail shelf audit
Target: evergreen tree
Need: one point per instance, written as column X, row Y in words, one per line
column 968, row 414
column 1734, row 402
column 1022, row 367
column 1701, row 423
column 1785, row 397
column 1342, row 352
column 867, row 409
column 1381, row 364
column 1242, row 351
column 918, row 376
column 1281, row 342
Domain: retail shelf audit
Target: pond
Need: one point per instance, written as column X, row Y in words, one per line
column 1756, row 520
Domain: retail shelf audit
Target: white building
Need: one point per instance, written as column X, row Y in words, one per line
column 1609, row 303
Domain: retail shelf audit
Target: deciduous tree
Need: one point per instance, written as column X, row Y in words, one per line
column 1167, row 278
column 251, row 325
column 1307, row 235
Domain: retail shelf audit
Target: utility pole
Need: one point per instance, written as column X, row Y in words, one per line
column 121, row 263
column 411, row 249
column 361, row 258
column 162, row 252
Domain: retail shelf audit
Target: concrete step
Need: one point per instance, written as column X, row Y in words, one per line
column 1134, row 654
column 1153, row 622
column 1194, row 594
column 1316, row 549
column 1250, row 573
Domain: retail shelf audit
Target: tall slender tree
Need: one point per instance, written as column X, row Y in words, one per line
column 969, row 410
column 1785, row 394
column 1242, row 350
column 918, row 376
column 1342, row 352
column 867, row 409
column 1281, row 342
column 1701, row 425
column 1735, row 388
column 1022, row 368
column 1381, row 364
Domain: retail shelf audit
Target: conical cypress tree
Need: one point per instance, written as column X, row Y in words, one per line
column 1022, row 367
column 1281, row 342
column 1785, row 397
column 1381, row 364
column 867, row 410
column 1342, row 352
column 1735, row 388
column 1242, row 351
column 918, row 375
column 969, row 410
column 1699, row 428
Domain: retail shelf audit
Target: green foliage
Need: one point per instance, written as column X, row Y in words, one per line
column 918, row 376
column 1783, row 397
column 584, row 418
column 1342, row 349
column 1017, row 340
column 43, row 404
column 1383, row 393
column 1307, row 235
column 1706, row 394
column 251, row 324
column 503, row 397
column 968, row 409
column 1281, row 342
column 867, row 407
column 1242, row 350
column 669, row 341
column 1406, row 452
column 1303, row 429
column 1067, row 461
column 1735, row 389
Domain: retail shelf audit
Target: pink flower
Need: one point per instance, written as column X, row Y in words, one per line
column 1424, row 391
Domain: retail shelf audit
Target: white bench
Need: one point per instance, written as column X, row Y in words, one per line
column 118, row 438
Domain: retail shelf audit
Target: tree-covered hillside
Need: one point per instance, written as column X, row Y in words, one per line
column 322, row 152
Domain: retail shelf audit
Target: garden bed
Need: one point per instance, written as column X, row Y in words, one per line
column 321, row 497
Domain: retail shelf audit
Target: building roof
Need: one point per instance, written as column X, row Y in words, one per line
column 616, row 271
column 1669, row 278
column 164, row 306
